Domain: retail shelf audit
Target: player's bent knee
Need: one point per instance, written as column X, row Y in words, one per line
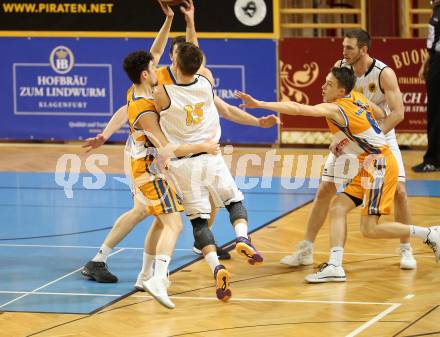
column 337, row 209
column 368, row 232
column 236, row 211
column 202, row 234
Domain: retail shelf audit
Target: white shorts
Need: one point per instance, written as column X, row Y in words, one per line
column 394, row 147
column 340, row 170
column 198, row 177
column 336, row 171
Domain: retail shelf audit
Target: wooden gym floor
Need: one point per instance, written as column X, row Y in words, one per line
column 378, row 299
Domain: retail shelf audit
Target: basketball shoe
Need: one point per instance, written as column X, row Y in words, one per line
column 245, row 248
column 157, row 287
column 326, row 273
column 221, row 276
column 303, row 256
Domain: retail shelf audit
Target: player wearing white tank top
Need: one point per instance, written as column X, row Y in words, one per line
column 378, row 83
column 188, row 114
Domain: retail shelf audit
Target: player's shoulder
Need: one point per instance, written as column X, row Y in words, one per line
column 139, row 104
column 378, row 64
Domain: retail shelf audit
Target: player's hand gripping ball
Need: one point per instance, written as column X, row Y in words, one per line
column 172, row 2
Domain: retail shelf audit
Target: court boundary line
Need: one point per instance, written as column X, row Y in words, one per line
column 374, row 320
column 301, row 205
column 204, row 298
column 49, row 283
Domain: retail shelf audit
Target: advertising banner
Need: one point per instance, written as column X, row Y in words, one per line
column 67, row 89
column 99, row 18
column 305, row 62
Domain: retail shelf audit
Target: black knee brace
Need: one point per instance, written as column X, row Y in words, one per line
column 202, row 234
column 236, row 211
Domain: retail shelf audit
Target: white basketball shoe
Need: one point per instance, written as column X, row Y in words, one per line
column 303, row 256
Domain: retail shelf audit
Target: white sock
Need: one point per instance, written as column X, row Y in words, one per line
column 103, row 254
column 419, row 232
column 161, row 263
column 212, row 260
column 308, row 244
column 405, row 246
column 241, row 229
column 147, row 264
column 336, row 254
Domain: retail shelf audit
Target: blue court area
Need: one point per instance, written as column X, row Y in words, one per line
column 47, row 237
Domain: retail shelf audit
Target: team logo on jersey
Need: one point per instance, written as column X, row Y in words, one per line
column 61, row 60
column 250, row 12
column 293, row 82
column 372, row 87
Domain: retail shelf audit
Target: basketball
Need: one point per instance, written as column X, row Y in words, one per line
column 171, row 2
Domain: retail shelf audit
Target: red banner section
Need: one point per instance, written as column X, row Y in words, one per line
column 305, row 62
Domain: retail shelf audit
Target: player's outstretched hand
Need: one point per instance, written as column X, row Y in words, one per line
column 187, row 9
column 211, row 147
column 268, row 121
column 249, row 101
column 166, row 9
column 94, row 143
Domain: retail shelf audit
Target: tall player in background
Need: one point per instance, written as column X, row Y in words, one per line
column 378, row 83
column 351, row 117
column 166, row 75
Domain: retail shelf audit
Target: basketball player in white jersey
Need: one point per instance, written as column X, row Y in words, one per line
column 127, row 221
column 188, row 114
column 378, row 83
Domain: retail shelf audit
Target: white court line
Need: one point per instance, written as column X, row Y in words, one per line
column 197, row 298
column 48, row 284
column 374, row 320
column 189, row 249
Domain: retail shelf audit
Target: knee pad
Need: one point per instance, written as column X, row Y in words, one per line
column 202, row 234
column 236, row 211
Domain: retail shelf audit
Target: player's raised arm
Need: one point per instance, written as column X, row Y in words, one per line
column 160, row 41
column 188, row 11
column 393, row 96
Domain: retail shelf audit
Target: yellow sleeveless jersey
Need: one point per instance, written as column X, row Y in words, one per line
column 360, row 127
column 147, row 178
column 137, row 107
column 165, row 76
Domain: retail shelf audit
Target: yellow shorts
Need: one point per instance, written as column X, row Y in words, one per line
column 155, row 191
column 376, row 184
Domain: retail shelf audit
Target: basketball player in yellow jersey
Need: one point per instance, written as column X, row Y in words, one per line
column 160, row 198
column 378, row 83
column 351, row 116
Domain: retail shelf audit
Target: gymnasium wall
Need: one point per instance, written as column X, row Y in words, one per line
column 305, row 62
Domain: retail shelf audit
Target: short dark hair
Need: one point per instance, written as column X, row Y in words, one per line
column 176, row 41
column 362, row 36
column 189, row 58
column 345, row 77
column 135, row 63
